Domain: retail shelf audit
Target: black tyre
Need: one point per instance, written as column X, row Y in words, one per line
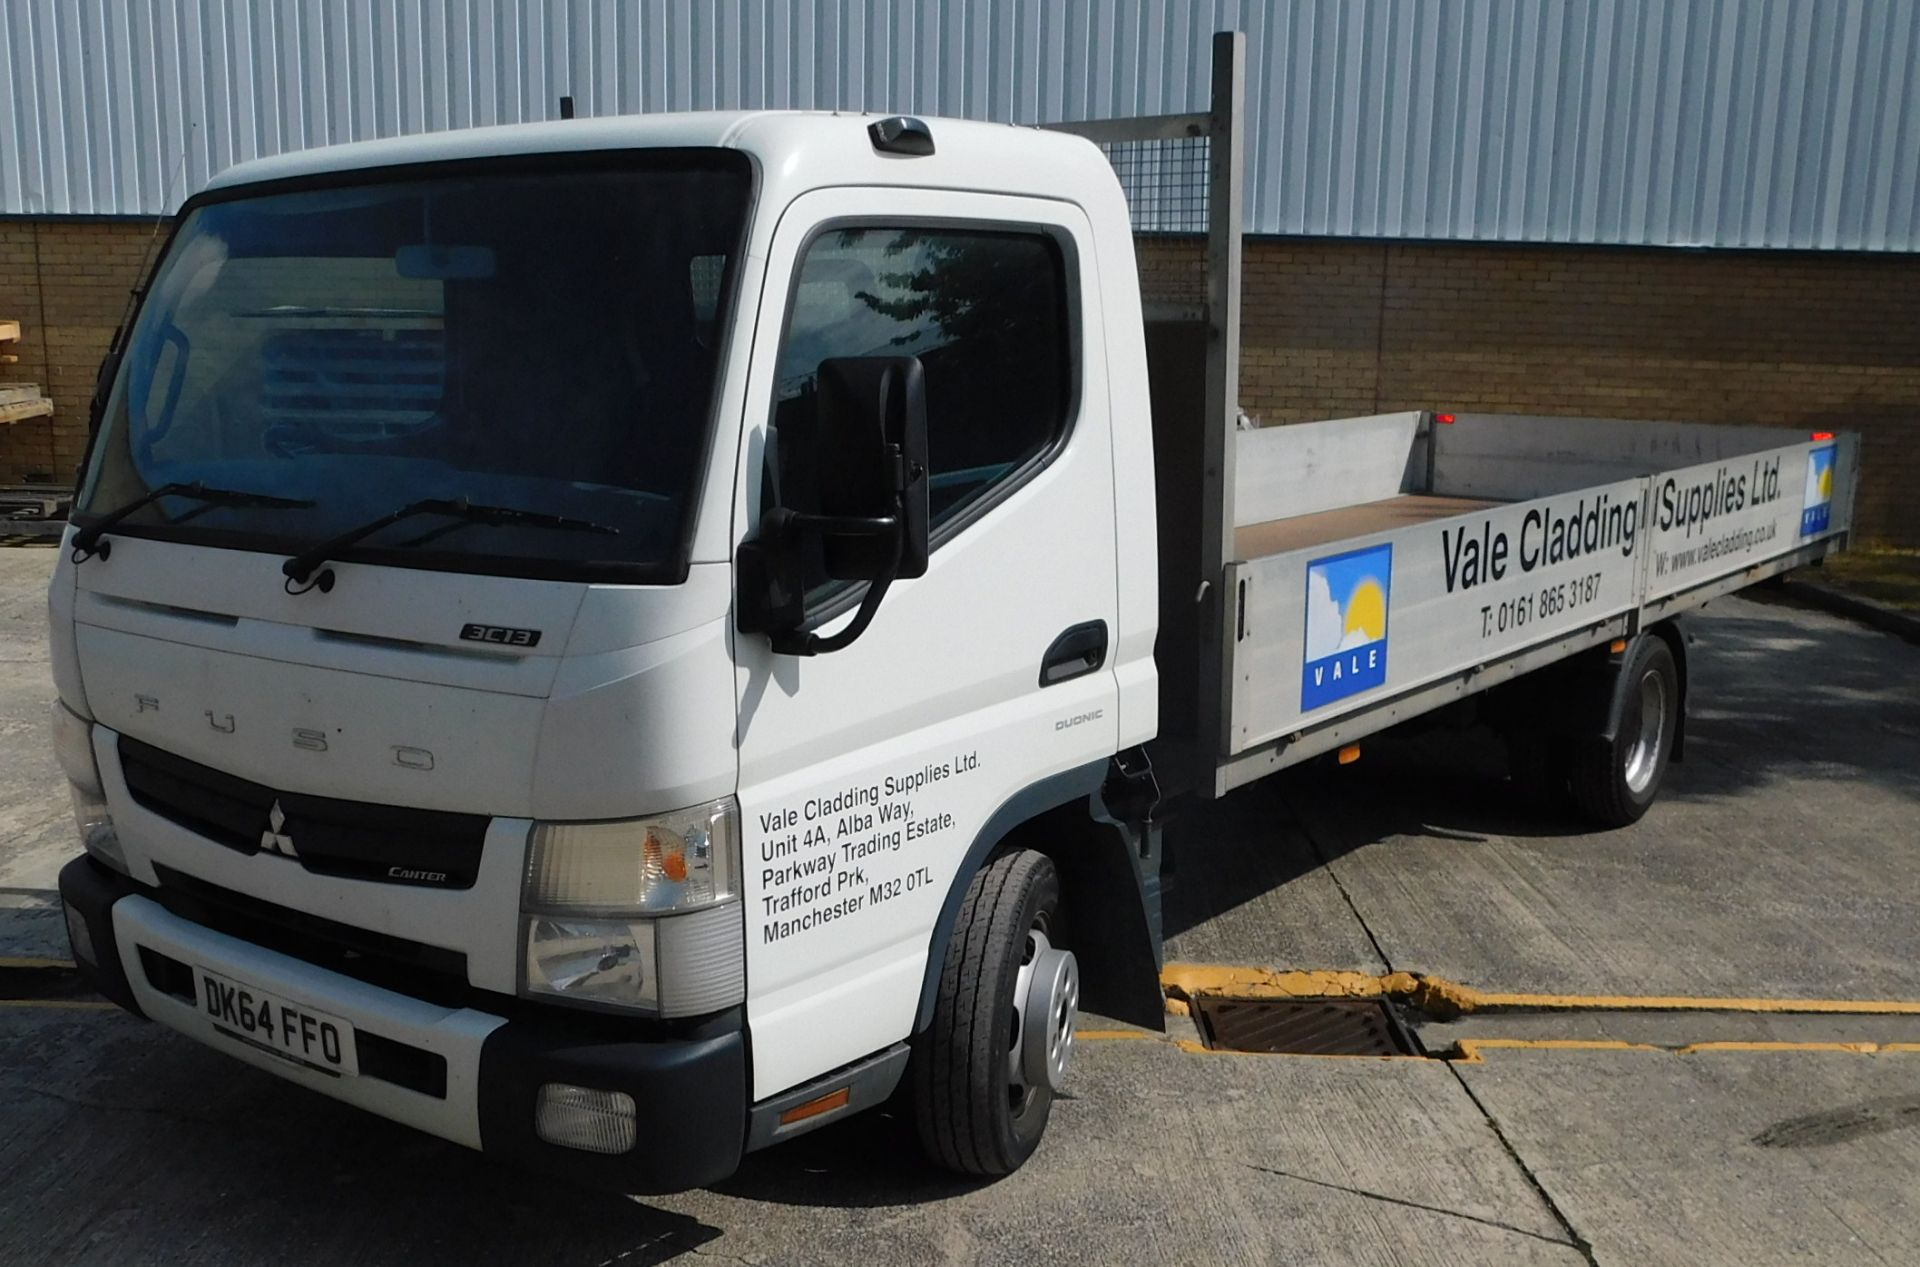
column 1614, row 782
column 975, row 1110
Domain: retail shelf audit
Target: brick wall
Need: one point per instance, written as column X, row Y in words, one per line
column 66, row 282
column 1813, row 340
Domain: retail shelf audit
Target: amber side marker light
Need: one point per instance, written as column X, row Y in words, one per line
column 1350, row 754
column 1619, row 645
column 814, row 1108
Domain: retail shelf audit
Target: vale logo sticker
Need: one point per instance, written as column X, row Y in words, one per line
column 1347, row 600
column 1818, row 503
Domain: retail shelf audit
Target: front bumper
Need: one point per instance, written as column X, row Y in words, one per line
column 462, row 1073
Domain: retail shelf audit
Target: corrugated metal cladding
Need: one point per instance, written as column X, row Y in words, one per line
column 1762, row 123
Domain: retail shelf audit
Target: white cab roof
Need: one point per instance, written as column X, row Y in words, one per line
column 793, row 150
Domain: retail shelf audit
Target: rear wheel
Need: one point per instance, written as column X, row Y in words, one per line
column 985, row 1072
column 1614, row 782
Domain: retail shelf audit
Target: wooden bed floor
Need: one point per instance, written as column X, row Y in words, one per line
column 1277, row 536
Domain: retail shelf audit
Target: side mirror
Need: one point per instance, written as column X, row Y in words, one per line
column 852, row 485
column 871, row 434
column 103, row 382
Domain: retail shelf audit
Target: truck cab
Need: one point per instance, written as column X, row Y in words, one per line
column 615, row 642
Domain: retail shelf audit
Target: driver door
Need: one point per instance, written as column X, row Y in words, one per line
column 867, row 774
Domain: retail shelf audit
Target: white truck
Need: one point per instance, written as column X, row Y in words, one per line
column 618, row 642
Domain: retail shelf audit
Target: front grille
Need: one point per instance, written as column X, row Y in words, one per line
column 354, row 839
column 431, row 973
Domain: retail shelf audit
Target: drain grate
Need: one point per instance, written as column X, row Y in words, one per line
column 36, row 982
column 1304, row 1027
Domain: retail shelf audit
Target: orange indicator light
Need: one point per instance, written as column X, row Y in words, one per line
column 814, row 1108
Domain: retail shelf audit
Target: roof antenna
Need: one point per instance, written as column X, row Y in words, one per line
column 566, row 107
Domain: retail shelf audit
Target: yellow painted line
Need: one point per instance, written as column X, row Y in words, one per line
column 1198, row 1048
column 1194, row 980
column 1470, row 1048
column 1441, row 997
column 1114, row 1035
column 36, row 963
column 1471, row 1051
column 1858, row 1049
column 1471, row 1000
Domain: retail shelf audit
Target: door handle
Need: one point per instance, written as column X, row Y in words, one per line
column 1078, row 651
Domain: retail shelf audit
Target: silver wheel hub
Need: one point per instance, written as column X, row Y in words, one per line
column 1643, row 758
column 1046, row 1004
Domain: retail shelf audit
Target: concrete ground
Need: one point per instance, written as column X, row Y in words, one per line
column 1779, row 865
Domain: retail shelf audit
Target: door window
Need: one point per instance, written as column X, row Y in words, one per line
column 985, row 311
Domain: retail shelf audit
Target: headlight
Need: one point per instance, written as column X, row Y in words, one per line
column 73, row 747
column 676, row 862
column 641, row 914
column 602, row 961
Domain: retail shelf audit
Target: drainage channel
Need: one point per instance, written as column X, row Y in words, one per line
column 1304, row 1027
column 42, row 981
column 1308, row 1013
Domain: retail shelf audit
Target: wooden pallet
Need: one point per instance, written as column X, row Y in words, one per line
column 41, row 408
column 19, row 401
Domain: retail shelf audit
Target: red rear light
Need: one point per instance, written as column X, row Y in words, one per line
column 1445, row 419
column 1823, row 435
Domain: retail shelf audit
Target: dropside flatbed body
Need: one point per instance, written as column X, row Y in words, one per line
column 1388, row 565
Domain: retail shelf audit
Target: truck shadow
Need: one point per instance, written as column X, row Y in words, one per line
column 1445, row 784
column 132, row 1142
column 1778, row 694
column 129, row 1143
column 871, row 1159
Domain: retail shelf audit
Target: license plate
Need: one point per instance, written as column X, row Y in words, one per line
column 287, row 1029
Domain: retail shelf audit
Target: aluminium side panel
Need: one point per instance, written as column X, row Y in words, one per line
column 1307, row 467
column 1513, row 457
column 1716, row 518
column 1329, row 630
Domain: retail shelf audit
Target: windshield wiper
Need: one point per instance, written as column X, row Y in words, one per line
column 302, row 566
column 87, row 542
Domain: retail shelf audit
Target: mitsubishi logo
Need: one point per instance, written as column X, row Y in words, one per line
column 272, row 840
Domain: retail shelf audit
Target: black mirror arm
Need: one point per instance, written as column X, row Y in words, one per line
column 780, row 520
column 811, row 644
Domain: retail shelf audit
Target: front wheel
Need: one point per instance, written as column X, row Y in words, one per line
column 985, row 1072
column 1614, row 782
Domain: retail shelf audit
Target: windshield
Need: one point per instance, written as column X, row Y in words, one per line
column 541, row 337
